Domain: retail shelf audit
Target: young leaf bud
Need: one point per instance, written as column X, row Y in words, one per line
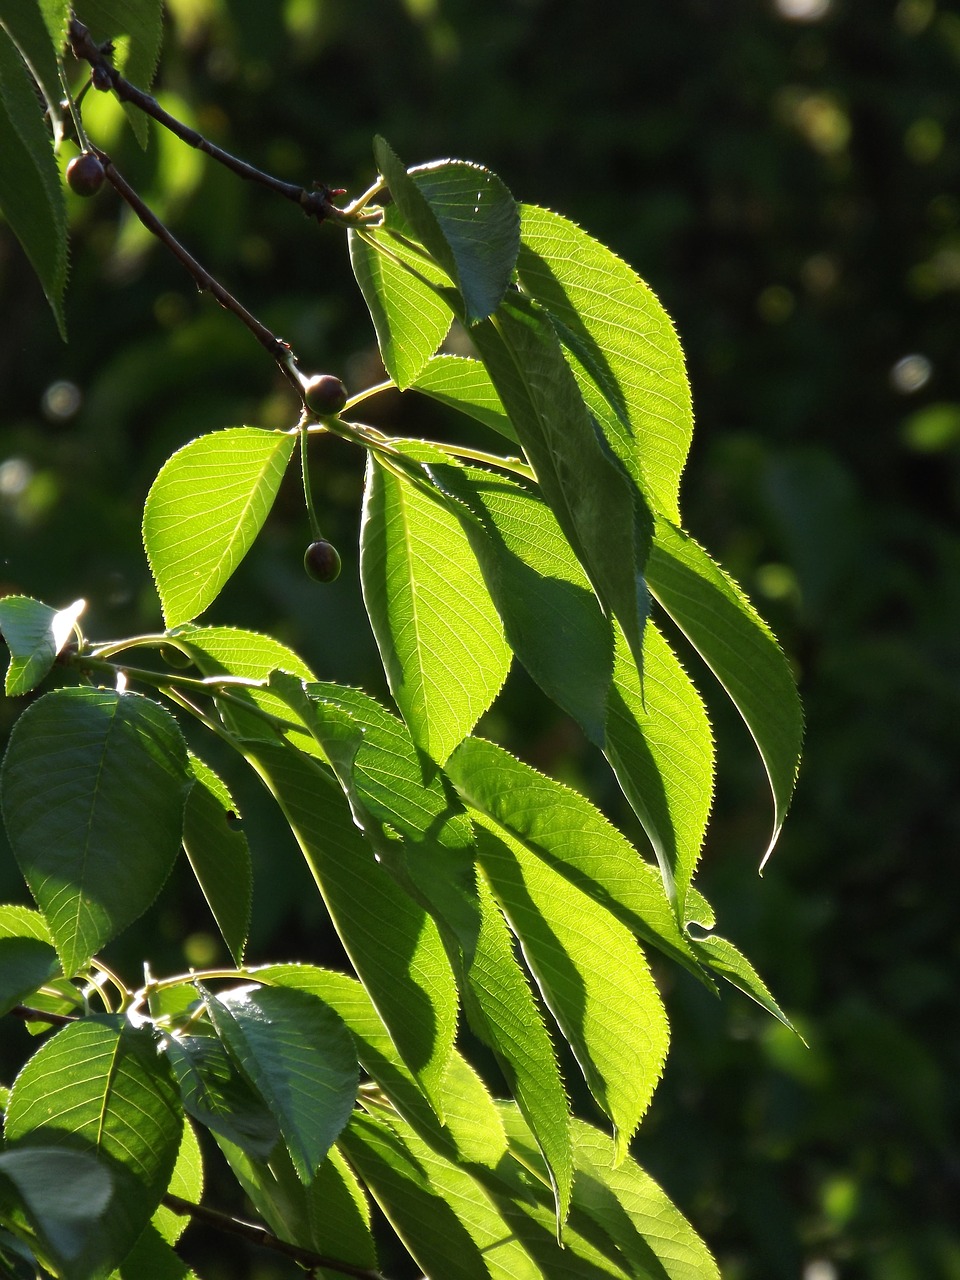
column 322, row 561
column 85, row 174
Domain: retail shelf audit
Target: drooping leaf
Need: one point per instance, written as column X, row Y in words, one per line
column 659, row 744
column 66, row 1196
column 99, row 1087
column 440, row 638
column 407, row 973
column 93, row 787
column 218, row 1095
column 330, row 1216
column 505, row 1016
column 465, row 384
column 592, row 974
column 410, row 319
column 219, row 855
column 39, row 32
column 204, row 511
column 27, row 955
column 562, row 828
column 465, row 217
column 301, row 1058
column 136, row 27
column 35, row 633
column 723, row 958
column 31, row 192
column 602, row 513
column 625, row 339
column 442, row 1214
column 471, row 1131
column 728, row 633
column 551, row 616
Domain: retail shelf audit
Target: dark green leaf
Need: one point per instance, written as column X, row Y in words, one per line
column 465, row 217
column 301, row 1058
column 39, row 32
column 99, row 1087
column 204, row 511
column 93, row 786
column 152, row 1258
column 601, row 512
column 739, row 648
column 35, row 633
column 219, row 855
column 31, row 192
column 136, row 27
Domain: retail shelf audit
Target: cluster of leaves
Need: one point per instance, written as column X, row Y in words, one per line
column 461, row 882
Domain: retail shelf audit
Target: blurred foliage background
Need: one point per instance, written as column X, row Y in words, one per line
column 786, row 175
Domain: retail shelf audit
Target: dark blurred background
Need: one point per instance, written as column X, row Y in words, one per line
column 786, row 175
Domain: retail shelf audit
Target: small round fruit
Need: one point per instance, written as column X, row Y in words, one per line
column 85, row 174
column 322, row 561
column 325, row 395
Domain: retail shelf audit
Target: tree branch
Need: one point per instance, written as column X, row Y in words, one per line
column 315, row 203
column 266, row 1239
column 42, row 1015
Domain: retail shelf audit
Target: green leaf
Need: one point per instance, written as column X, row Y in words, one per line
column 27, row 955
column 186, row 1181
column 39, row 32
column 602, row 514
column 93, row 788
column 330, row 1216
column 625, row 339
column 406, row 972
column 214, row 1092
column 219, row 855
column 464, row 384
column 504, row 1014
column 99, row 1087
column 441, row 1213
column 152, row 1258
column 472, row 1131
column 410, row 319
column 204, row 511
column 65, row 1195
column 561, row 827
column 136, row 26
column 465, row 217
column 550, row 614
column 659, row 744
column 591, row 972
column 728, row 633
column 440, row 638
column 35, row 633
column 301, row 1058
column 31, row 192
column 722, row 957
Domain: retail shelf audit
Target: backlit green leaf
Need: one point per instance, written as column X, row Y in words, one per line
column 93, row 787
column 728, row 633
column 98, row 1086
column 465, row 217
column 35, row 633
column 440, row 638
column 465, row 384
column 219, row 855
column 301, row 1058
column 204, row 511
column 31, row 191
column 27, row 955
column 186, row 1181
column 624, row 338
column 722, row 957
column 136, row 27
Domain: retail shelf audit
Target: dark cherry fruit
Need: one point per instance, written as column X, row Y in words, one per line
column 85, row 174
column 322, row 561
column 325, row 395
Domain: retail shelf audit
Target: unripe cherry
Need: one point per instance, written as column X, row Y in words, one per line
column 322, row 561
column 325, row 395
column 85, row 174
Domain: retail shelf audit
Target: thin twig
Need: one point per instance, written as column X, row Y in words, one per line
column 315, row 203
column 276, row 347
column 42, row 1015
column 266, row 1239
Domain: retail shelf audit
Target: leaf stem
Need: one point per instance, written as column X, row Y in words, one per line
column 265, row 1239
column 307, row 495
